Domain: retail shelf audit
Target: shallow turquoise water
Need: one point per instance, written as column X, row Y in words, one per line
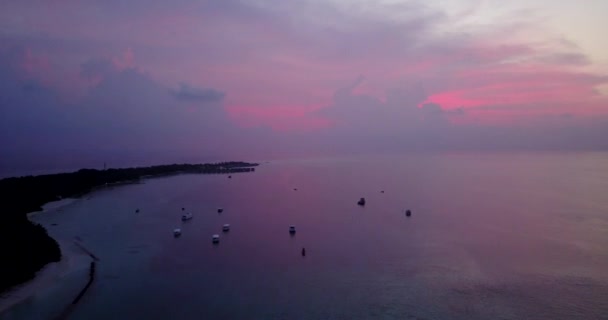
column 507, row 236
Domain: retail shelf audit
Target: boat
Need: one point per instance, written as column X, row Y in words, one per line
column 220, row 210
column 292, row 229
column 177, row 232
column 361, row 202
column 187, row 216
column 215, row 238
column 408, row 213
column 226, row 228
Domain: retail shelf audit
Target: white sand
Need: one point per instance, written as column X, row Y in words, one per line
column 53, row 206
column 73, row 259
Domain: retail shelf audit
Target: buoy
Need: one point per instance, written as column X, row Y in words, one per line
column 229, row 177
column 408, row 213
column 382, row 191
column 183, row 209
column 220, row 210
column 361, row 202
column 303, row 252
column 137, row 211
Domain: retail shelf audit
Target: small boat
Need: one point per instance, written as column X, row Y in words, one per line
column 215, row 238
column 292, row 229
column 220, row 210
column 226, row 228
column 177, row 232
column 408, row 213
column 361, row 202
column 187, row 216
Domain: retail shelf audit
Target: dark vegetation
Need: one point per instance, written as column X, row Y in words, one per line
column 26, row 247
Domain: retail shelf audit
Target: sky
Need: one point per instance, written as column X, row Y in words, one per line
column 137, row 82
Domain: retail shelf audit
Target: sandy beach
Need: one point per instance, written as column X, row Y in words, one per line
column 53, row 206
column 73, row 259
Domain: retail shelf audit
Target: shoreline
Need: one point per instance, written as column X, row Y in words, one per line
column 52, row 206
column 73, row 259
column 50, row 193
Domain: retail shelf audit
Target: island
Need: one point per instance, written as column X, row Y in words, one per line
column 26, row 247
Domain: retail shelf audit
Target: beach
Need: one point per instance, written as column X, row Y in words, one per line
column 53, row 206
column 50, row 278
column 73, row 259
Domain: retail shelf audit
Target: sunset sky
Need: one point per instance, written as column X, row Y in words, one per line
column 177, row 80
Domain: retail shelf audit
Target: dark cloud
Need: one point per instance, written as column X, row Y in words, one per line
column 126, row 115
column 432, row 109
column 194, row 94
column 398, row 113
column 97, row 68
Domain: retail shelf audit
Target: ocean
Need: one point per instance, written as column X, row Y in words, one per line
column 491, row 236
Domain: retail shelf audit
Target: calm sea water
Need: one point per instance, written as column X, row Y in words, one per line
column 509, row 236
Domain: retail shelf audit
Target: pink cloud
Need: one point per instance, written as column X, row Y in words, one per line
column 280, row 65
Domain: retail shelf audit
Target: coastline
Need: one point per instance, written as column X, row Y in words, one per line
column 73, row 259
column 50, row 193
column 53, row 206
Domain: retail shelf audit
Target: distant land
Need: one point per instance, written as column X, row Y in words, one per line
column 25, row 247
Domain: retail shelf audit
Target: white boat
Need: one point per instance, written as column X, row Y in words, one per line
column 177, row 232
column 226, row 228
column 292, row 229
column 186, row 216
column 215, row 238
